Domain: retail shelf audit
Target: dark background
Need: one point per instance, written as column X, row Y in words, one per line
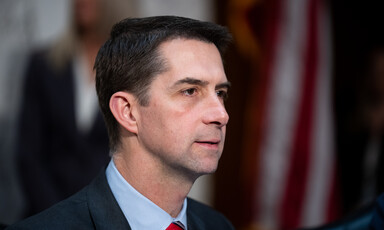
column 357, row 31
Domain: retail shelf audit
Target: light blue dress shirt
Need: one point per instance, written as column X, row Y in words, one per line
column 141, row 213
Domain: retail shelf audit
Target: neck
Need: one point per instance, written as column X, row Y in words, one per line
column 168, row 191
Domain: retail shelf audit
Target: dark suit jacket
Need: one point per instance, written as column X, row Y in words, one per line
column 55, row 159
column 95, row 207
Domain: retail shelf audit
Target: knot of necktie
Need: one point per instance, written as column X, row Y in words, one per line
column 176, row 226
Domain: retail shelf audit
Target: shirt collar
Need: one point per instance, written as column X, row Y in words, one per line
column 140, row 212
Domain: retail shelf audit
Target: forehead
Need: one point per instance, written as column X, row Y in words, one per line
column 192, row 58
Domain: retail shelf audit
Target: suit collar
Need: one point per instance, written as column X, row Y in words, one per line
column 140, row 211
column 193, row 219
column 103, row 208
column 106, row 213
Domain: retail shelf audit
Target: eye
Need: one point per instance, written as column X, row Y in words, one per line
column 189, row 92
column 222, row 94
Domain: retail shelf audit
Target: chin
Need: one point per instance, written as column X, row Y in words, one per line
column 209, row 168
column 206, row 165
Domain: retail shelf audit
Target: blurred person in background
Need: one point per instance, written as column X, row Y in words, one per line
column 373, row 138
column 373, row 119
column 363, row 144
column 62, row 139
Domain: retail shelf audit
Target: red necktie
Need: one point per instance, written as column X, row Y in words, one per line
column 175, row 226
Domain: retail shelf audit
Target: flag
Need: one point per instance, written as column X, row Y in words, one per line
column 295, row 175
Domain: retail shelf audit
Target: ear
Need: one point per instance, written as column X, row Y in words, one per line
column 122, row 106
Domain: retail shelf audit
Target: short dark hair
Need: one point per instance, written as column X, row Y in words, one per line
column 130, row 59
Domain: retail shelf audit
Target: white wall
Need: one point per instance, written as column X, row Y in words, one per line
column 198, row 9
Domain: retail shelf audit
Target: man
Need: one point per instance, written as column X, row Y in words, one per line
column 161, row 87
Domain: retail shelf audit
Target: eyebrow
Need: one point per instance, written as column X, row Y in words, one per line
column 191, row 81
column 194, row 81
column 226, row 85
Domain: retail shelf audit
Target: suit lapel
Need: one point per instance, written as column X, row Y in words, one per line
column 106, row 213
column 103, row 207
column 194, row 222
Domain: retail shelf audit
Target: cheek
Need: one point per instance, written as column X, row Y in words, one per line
column 179, row 115
column 161, row 121
column 174, row 121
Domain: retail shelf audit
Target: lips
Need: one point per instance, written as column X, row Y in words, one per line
column 214, row 143
column 208, row 142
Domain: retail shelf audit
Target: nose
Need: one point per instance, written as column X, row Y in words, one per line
column 216, row 113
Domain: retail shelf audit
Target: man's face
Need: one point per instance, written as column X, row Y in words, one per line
column 183, row 127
